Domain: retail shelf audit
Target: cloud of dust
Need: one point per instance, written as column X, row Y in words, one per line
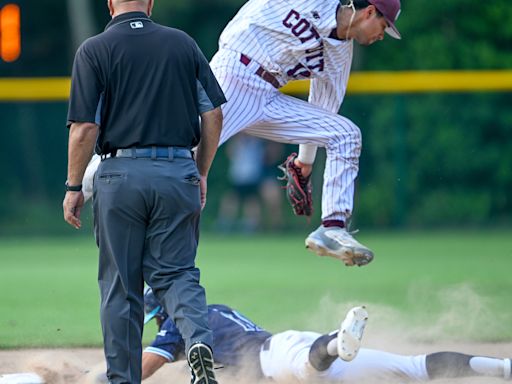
column 454, row 314
column 55, row 368
column 429, row 317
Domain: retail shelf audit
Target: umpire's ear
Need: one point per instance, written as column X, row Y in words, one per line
column 110, row 7
column 150, row 7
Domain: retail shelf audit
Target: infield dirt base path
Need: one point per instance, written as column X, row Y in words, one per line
column 82, row 365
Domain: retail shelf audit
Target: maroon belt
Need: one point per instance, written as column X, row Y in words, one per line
column 261, row 72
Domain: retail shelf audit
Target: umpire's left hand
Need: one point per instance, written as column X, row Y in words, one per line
column 72, row 206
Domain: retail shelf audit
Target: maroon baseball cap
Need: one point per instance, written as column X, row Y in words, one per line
column 391, row 10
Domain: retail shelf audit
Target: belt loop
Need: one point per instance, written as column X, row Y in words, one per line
column 153, row 153
column 170, row 153
column 261, row 72
column 245, row 59
column 134, row 152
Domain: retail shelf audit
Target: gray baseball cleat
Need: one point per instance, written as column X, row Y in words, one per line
column 338, row 242
column 351, row 333
column 200, row 361
column 508, row 369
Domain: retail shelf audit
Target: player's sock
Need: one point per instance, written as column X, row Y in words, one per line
column 333, row 223
column 332, row 346
column 453, row 364
column 322, row 353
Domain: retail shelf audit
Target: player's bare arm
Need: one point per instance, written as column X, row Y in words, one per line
column 151, row 362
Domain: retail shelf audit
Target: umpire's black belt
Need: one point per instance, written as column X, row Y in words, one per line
column 154, row 152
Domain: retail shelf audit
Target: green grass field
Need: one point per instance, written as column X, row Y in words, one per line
column 460, row 282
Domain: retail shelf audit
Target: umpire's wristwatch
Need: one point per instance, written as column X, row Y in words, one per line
column 73, row 188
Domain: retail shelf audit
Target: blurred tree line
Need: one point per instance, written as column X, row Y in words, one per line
column 428, row 159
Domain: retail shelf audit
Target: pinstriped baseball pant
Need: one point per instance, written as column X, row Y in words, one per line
column 257, row 108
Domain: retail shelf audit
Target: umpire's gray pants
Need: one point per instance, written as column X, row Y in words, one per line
column 146, row 218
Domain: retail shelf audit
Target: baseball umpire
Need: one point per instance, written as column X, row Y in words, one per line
column 138, row 90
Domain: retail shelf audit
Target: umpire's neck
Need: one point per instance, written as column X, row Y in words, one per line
column 118, row 7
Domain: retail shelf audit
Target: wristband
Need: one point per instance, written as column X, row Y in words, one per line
column 73, row 188
column 307, row 153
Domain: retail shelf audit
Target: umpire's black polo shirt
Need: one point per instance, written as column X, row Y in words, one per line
column 143, row 83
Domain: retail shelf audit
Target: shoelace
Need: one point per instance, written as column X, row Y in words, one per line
column 348, row 224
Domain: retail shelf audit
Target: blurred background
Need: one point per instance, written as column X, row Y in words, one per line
column 431, row 158
column 433, row 197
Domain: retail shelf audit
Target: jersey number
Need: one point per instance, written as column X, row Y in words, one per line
column 242, row 321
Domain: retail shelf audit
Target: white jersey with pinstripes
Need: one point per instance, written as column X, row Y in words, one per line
column 290, row 40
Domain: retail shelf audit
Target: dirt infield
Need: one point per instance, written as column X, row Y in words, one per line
column 81, row 366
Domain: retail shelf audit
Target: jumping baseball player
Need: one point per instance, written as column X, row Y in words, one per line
column 291, row 356
column 270, row 43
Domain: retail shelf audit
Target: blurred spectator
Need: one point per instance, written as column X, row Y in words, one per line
column 253, row 201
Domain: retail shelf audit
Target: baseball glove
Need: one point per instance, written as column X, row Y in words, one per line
column 298, row 187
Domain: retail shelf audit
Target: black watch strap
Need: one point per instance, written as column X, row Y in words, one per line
column 73, row 188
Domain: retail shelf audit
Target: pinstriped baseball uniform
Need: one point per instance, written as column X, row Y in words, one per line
column 266, row 45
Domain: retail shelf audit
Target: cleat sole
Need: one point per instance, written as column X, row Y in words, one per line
column 347, row 255
column 351, row 333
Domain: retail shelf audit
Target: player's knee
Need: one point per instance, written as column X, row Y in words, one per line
column 347, row 134
column 353, row 133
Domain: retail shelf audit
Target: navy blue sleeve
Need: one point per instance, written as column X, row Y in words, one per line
column 86, row 88
column 168, row 342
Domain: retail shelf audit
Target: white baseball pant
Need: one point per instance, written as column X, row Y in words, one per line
column 287, row 360
column 257, row 108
